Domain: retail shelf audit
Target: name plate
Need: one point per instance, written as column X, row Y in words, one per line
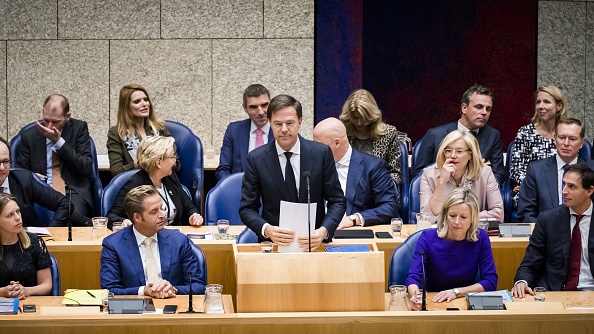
column 476, row 302
column 515, row 230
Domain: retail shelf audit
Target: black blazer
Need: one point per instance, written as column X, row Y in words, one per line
column 263, row 178
column 183, row 203
column 547, row 255
column 489, row 143
column 29, row 191
column 76, row 162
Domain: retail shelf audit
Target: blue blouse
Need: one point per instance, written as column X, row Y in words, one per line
column 453, row 264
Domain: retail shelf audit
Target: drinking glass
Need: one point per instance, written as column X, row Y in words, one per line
column 484, row 224
column 213, row 299
column 266, row 246
column 99, row 228
column 396, row 224
column 117, row 226
column 539, row 294
column 223, row 226
column 398, row 300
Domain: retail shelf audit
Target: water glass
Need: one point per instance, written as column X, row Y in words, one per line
column 213, row 299
column 539, row 294
column 99, row 228
column 117, row 226
column 223, row 226
column 396, row 225
column 398, row 300
column 266, row 246
column 417, row 300
column 484, row 224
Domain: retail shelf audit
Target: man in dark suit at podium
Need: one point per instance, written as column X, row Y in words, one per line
column 242, row 137
column 560, row 254
column 370, row 192
column 276, row 171
column 476, row 106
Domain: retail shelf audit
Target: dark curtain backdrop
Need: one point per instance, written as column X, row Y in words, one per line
column 418, row 57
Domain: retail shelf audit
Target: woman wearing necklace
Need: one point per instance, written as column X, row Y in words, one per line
column 536, row 141
column 157, row 159
column 24, row 260
column 459, row 164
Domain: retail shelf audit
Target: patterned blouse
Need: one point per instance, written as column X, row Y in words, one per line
column 386, row 147
column 530, row 146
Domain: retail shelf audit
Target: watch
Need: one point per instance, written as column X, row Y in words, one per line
column 456, row 291
column 353, row 218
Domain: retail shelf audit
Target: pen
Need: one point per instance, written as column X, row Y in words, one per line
column 90, row 294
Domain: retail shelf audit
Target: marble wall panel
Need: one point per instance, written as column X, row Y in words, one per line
column 28, row 19
column 212, row 19
column 177, row 75
column 109, row 19
column 289, row 19
column 3, row 118
column 284, row 66
column 76, row 69
column 589, row 87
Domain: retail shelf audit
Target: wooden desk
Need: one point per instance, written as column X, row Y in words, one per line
column 484, row 322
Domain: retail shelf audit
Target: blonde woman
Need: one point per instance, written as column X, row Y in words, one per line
column 157, row 160
column 367, row 133
column 460, row 164
column 454, row 252
column 136, row 120
column 24, row 260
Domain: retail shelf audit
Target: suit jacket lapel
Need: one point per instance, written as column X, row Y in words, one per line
column 244, row 145
column 563, row 231
column 306, row 164
column 273, row 168
column 165, row 252
column 134, row 254
column 355, row 172
column 552, row 181
column 39, row 152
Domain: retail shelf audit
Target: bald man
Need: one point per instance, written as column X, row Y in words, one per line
column 372, row 196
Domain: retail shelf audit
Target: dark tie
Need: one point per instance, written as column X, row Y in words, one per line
column 290, row 179
column 575, row 254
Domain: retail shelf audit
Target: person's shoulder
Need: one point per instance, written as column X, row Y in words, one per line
column 490, row 131
column 113, row 130
column 238, row 124
column 544, row 163
column 310, row 144
column 173, row 235
column 368, row 159
column 77, row 122
column 390, row 130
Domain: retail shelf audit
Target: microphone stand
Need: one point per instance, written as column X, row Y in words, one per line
column 67, row 188
column 306, row 175
column 424, row 297
column 190, row 307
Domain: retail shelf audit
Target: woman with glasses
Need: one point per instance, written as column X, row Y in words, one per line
column 157, row 160
column 459, row 164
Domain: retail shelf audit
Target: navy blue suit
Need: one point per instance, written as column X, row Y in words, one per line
column 547, row 255
column 264, row 178
column 121, row 266
column 539, row 190
column 235, row 148
column 370, row 191
column 489, row 143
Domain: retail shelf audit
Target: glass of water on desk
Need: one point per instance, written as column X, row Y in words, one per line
column 99, row 228
column 223, row 226
column 396, row 224
column 539, row 294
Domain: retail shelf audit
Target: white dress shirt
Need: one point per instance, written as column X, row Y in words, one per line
column 141, row 249
column 560, row 172
column 585, row 281
column 265, row 128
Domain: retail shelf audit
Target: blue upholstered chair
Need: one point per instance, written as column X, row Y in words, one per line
column 510, row 215
column 415, row 155
column 94, row 179
column 222, row 201
column 586, row 150
column 401, row 260
column 189, row 151
column 55, row 271
column 404, row 185
column 199, row 254
column 414, row 199
column 247, row 236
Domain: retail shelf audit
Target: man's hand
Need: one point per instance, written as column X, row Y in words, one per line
column 160, row 289
column 520, row 290
column 345, row 223
column 52, row 134
column 196, row 219
column 316, row 239
column 279, row 236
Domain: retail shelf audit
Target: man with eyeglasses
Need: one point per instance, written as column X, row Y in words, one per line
column 543, row 184
column 28, row 191
column 475, row 111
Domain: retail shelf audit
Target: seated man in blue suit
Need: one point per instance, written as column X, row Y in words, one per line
column 542, row 186
column 145, row 259
column 476, row 106
column 242, row 137
column 371, row 195
column 28, row 191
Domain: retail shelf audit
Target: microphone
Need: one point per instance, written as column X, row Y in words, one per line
column 190, row 307
column 424, row 298
column 307, row 175
column 69, row 191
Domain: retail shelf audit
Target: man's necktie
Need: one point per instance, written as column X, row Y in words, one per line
column 575, row 254
column 152, row 272
column 259, row 138
column 290, row 179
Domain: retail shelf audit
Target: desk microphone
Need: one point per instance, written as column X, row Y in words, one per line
column 69, row 191
column 190, row 307
column 307, row 175
column 424, row 297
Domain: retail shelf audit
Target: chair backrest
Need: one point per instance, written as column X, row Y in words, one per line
column 508, row 186
column 189, row 151
column 199, row 254
column 405, row 184
column 247, row 236
column 95, row 180
column 111, row 190
column 401, row 260
column 222, row 201
column 586, row 150
column 55, row 271
column 414, row 199
column 415, row 155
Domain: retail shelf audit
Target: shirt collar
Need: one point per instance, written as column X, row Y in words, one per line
column 463, row 128
column 5, row 183
column 140, row 237
column 265, row 128
column 561, row 163
column 295, row 149
column 588, row 212
column 346, row 159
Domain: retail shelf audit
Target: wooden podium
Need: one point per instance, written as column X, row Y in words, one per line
column 309, row 282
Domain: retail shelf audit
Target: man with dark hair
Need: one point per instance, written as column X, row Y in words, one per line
column 475, row 111
column 560, row 254
column 275, row 173
column 28, row 192
column 146, row 259
column 242, row 137
column 59, row 151
column 542, row 185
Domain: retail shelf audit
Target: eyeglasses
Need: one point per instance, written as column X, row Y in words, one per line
column 174, row 157
column 6, row 162
column 448, row 152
